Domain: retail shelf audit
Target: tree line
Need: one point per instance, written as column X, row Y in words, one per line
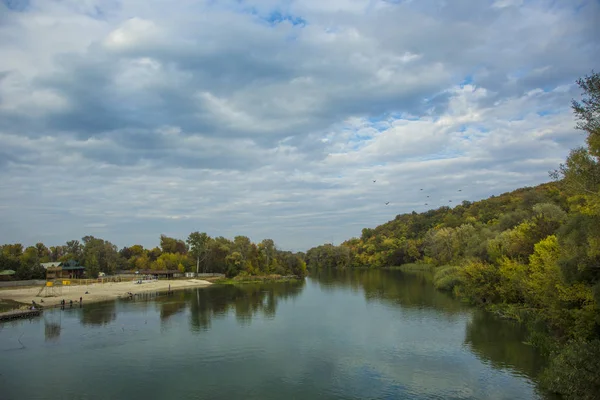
column 198, row 253
column 532, row 254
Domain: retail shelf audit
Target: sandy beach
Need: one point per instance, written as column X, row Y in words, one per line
column 96, row 291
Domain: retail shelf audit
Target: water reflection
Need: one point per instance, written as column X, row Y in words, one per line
column 204, row 304
column 410, row 290
column 245, row 301
column 501, row 343
column 98, row 314
column 491, row 339
column 52, row 325
column 171, row 304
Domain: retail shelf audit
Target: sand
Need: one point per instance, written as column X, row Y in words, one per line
column 96, row 291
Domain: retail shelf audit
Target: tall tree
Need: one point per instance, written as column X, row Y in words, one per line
column 99, row 256
column 57, row 252
column 10, row 256
column 198, row 244
column 73, row 251
column 154, row 253
column 588, row 111
column 172, row 245
column 581, row 172
column 43, row 252
column 30, row 264
column 268, row 251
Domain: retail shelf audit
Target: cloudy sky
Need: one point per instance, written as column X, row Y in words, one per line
column 125, row 119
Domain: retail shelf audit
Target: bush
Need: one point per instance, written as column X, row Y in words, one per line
column 575, row 371
column 480, row 282
column 446, row 278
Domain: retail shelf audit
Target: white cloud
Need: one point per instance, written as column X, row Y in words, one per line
column 132, row 33
column 134, row 118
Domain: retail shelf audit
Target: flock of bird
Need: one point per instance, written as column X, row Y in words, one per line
column 387, row 202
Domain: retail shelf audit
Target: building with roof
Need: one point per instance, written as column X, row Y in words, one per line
column 60, row 270
column 7, row 275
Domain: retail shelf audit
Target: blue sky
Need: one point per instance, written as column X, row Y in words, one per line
column 127, row 119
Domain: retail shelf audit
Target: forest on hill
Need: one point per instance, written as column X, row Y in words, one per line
column 532, row 254
column 199, row 252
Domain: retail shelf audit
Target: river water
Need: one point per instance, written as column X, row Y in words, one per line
column 339, row 335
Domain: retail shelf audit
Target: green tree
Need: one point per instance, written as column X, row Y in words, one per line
column 268, row 251
column 99, row 256
column 73, row 250
column 43, row 252
column 199, row 247
column 57, row 252
column 10, row 256
column 235, row 263
column 154, row 253
column 573, row 372
column 219, row 249
column 172, row 245
column 170, row 261
column 30, row 267
column 588, row 111
column 581, row 172
column 142, row 262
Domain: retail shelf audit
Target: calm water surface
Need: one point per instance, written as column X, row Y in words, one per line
column 339, row 335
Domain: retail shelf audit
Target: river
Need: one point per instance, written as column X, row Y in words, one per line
column 338, row 335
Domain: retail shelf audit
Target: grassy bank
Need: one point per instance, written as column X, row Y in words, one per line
column 9, row 305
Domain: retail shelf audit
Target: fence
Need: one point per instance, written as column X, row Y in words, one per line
column 31, row 282
column 210, row 275
column 104, row 279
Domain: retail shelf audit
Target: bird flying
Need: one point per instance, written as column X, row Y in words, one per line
column 387, row 203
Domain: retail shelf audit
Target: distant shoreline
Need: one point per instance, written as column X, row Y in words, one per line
column 256, row 279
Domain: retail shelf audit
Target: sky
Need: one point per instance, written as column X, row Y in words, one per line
column 283, row 119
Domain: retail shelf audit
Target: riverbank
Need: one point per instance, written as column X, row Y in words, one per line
column 96, row 292
column 255, row 279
